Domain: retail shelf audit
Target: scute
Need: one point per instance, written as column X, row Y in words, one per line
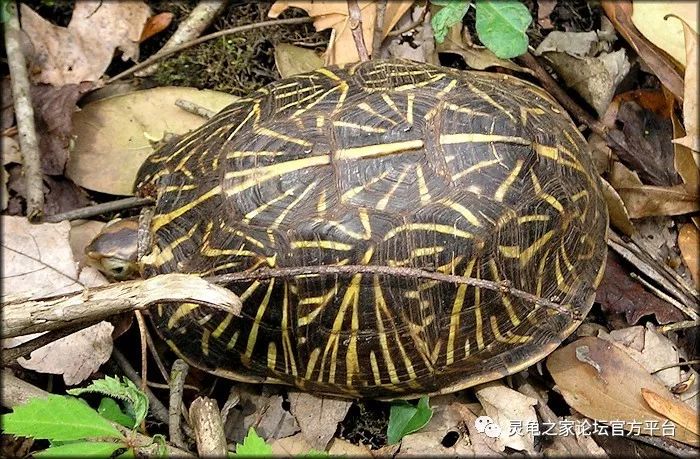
column 386, row 163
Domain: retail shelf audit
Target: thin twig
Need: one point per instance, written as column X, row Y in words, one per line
column 378, row 28
column 221, row 33
column 504, row 287
column 356, row 28
column 144, row 349
column 678, row 326
column 677, row 364
column 195, row 109
column 613, row 137
column 196, row 22
column 12, row 354
column 24, row 113
column 156, row 357
column 178, row 373
column 98, row 209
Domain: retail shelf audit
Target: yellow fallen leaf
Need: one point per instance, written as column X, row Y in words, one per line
column 689, row 245
column 666, row 33
column 673, row 409
column 335, row 15
column 690, row 94
column 113, row 136
column 600, row 381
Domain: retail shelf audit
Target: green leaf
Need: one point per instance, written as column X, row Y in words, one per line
column 405, row 418
column 451, row 13
column 81, row 449
column 58, row 418
column 253, row 445
column 111, row 410
column 136, row 402
column 501, row 26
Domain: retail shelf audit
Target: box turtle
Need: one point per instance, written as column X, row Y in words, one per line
column 393, row 165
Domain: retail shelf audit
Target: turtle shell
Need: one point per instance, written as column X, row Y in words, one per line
column 426, row 175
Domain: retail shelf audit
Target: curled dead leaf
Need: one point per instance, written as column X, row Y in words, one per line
column 83, row 50
column 620, row 14
column 689, row 245
column 335, row 15
column 612, row 389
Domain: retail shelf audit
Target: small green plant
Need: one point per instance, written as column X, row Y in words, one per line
column 500, row 24
column 73, row 428
column 406, row 418
column 254, row 446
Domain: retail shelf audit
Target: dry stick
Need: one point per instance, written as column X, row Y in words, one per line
column 208, row 428
column 378, row 28
column 211, row 36
column 503, row 286
column 198, row 20
column 24, row 113
column 144, row 349
column 22, row 316
column 195, row 109
column 157, row 409
column 12, row 354
column 177, row 384
column 156, row 357
column 98, row 209
column 356, row 28
column 16, row 392
column 677, row 364
column 678, row 326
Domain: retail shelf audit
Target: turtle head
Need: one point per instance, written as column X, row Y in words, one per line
column 114, row 250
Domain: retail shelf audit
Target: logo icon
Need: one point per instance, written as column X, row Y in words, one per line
column 486, row 426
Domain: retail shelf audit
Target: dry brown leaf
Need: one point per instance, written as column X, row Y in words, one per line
column 689, row 245
column 335, row 15
column 38, row 261
column 619, row 293
column 113, row 136
column 647, row 200
column 504, row 404
column 652, row 19
column 476, row 58
column 620, row 14
column 75, row 356
column 619, row 217
column 155, row 25
column 683, row 157
column 318, row 417
column 673, row 409
column 292, row 60
column 602, row 382
column 295, row 445
column 650, row 349
column 339, row 447
column 83, row 50
column 447, row 419
column 544, row 9
column 690, row 94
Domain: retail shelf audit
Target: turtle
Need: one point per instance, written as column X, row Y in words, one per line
column 423, row 230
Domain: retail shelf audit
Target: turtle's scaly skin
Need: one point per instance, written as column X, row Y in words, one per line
column 385, row 163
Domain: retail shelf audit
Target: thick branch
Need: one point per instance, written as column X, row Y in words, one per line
column 24, row 112
column 21, row 317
